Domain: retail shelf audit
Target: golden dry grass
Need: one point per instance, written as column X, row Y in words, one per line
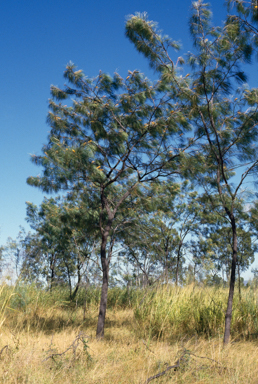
column 122, row 357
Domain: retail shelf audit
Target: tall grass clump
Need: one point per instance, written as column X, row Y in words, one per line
column 35, row 309
column 117, row 297
column 31, row 307
column 165, row 312
column 6, row 295
column 169, row 312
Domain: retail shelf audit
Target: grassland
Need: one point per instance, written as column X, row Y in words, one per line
column 47, row 339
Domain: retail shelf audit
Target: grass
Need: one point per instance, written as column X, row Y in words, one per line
column 146, row 331
column 169, row 313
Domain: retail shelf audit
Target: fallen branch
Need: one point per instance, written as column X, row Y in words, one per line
column 161, row 373
column 73, row 346
column 177, row 365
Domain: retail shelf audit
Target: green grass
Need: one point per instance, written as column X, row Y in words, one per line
column 169, row 312
column 164, row 312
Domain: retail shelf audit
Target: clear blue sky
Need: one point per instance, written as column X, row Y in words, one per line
column 38, row 39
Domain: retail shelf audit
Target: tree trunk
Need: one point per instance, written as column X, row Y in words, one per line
column 104, row 290
column 166, row 262
column 228, row 316
column 166, row 272
column 239, row 282
column 78, row 280
column 85, row 299
column 177, row 269
column 52, row 268
column 177, row 263
column 75, row 290
column 69, row 279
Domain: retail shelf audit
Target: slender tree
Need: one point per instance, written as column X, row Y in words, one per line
column 222, row 110
column 114, row 135
column 158, row 236
column 60, row 240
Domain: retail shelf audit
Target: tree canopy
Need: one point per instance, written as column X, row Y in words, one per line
column 158, row 168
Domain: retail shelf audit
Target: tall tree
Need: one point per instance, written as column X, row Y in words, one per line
column 114, row 135
column 228, row 116
column 223, row 113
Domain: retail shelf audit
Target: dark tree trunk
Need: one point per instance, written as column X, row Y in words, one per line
column 177, row 263
column 239, row 281
column 69, row 279
column 166, row 261
column 166, row 272
column 85, row 299
column 76, row 289
column 52, row 267
column 104, row 290
column 228, row 316
column 78, row 279
column 177, row 269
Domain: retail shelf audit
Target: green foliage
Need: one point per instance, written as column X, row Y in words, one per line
column 144, row 34
column 60, row 248
column 112, row 122
column 118, row 148
column 157, row 238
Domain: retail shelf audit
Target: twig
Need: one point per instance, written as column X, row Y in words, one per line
column 2, row 350
column 203, row 357
column 51, row 341
column 148, row 347
column 177, row 365
column 73, row 346
column 161, row 373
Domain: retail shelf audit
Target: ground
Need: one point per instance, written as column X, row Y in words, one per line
column 38, row 352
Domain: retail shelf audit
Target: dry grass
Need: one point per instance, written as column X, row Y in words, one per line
column 34, row 335
column 121, row 357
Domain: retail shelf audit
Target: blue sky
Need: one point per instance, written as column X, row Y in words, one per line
column 38, row 39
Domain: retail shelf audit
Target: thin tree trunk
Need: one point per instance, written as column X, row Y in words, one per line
column 76, row 289
column 85, row 299
column 239, row 282
column 166, row 272
column 78, row 279
column 177, row 263
column 69, row 279
column 177, row 268
column 52, row 267
column 104, row 289
column 166, row 261
column 228, row 316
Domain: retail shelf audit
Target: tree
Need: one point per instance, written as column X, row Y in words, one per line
column 114, row 135
column 227, row 115
column 221, row 109
column 60, row 244
column 158, row 236
column 12, row 254
column 243, row 14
